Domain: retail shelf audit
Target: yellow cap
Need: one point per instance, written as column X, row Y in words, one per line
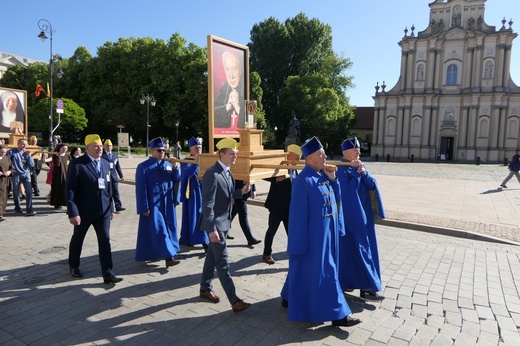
column 227, row 143
column 108, row 141
column 92, row 139
column 32, row 137
column 293, row 148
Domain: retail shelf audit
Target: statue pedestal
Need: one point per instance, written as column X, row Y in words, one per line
column 251, row 151
column 291, row 140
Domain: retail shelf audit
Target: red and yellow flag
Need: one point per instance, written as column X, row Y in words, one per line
column 48, row 90
column 39, row 89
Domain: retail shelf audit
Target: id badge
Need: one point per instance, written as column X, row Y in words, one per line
column 111, row 165
column 101, row 183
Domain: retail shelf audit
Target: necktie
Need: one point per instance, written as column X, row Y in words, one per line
column 98, row 167
column 230, row 180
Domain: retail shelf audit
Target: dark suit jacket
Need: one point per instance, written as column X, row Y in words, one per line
column 115, row 161
column 84, row 198
column 279, row 197
column 216, row 200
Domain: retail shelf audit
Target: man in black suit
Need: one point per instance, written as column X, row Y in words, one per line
column 115, row 173
column 218, row 191
column 89, row 202
column 278, row 201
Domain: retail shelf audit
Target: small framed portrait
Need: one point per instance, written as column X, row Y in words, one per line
column 13, row 112
column 228, row 87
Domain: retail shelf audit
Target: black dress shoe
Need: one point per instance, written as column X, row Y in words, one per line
column 230, row 237
column 370, row 295
column 112, row 280
column 30, row 213
column 253, row 242
column 346, row 322
column 74, row 272
column 285, row 303
column 120, row 209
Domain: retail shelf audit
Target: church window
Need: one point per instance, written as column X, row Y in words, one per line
column 451, row 76
column 390, row 127
column 483, row 128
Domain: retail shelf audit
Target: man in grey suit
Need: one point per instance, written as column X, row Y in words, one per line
column 218, row 191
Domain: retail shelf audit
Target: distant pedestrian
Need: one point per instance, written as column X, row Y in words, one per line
column 514, row 167
column 116, row 173
column 5, row 172
column 22, row 165
column 60, row 162
column 177, row 150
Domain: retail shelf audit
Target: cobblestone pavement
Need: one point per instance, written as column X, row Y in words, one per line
column 440, row 290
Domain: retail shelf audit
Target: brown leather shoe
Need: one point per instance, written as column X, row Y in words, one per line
column 171, row 262
column 209, row 295
column 240, row 305
column 268, row 259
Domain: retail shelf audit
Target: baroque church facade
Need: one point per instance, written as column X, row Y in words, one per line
column 455, row 99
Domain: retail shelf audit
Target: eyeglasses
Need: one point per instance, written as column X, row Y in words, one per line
column 161, row 150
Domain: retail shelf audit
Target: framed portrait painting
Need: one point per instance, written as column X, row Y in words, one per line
column 13, row 112
column 228, row 88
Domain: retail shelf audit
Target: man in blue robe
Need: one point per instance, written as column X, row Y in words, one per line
column 312, row 291
column 191, row 198
column 155, row 202
column 359, row 255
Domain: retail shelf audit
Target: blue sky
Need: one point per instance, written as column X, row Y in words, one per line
column 366, row 31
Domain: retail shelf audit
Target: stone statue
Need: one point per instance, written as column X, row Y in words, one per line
column 294, row 127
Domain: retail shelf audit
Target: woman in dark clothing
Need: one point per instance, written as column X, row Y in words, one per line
column 60, row 161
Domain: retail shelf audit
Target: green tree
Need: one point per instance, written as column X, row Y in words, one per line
column 72, row 121
column 295, row 48
column 321, row 110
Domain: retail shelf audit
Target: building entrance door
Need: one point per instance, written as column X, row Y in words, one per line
column 446, row 152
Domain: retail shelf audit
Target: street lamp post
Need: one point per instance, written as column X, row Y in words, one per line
column 46, row 27
column 176, row 131
column 148, row 99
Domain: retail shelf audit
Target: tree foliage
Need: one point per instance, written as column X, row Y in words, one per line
column 300, row 72
column 293, row 68
column 72, row 121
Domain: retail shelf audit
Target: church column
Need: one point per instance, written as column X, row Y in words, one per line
column 499, row 68
column 494, row 124
column 463, row 126
column 439, row 72
column 404, row 55
column 410, row 70
column 425, row 127
column 430, row 74
column 468, row 62
column 507, row 66
column 375, row 129
column 477, row 69
column 434, row 127
column 501, row 140
column 472, row 128
column 399, row 126
column 405, row 139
